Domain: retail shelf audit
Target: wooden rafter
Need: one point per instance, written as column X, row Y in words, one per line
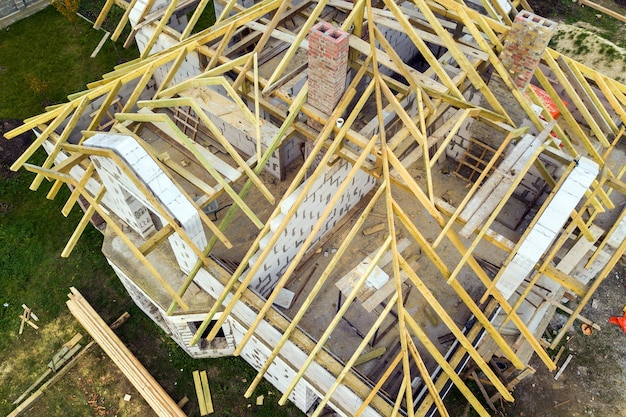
column 414, row 136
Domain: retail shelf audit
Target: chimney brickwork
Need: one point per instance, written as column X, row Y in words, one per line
column 328, row 66
column 525, row 44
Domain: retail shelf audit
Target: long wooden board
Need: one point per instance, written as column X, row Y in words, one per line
column 154, row 394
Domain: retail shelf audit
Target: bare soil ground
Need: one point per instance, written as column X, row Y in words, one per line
column 593, row 382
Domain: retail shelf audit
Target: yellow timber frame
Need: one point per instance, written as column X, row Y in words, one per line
column 386, row 155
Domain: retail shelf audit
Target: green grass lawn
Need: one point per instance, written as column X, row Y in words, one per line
column 44, row 58
column 35, row 71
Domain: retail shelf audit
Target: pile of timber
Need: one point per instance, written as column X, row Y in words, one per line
column 146, row 385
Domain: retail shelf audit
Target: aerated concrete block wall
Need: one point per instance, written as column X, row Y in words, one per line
column 133, row 206
column 178, row 326
column 303, row 221
column 188, row 69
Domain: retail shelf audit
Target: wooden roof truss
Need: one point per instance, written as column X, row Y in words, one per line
column 470, row 43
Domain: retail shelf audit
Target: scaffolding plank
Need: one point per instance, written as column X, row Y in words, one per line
column 497, row 185
column 548, row 226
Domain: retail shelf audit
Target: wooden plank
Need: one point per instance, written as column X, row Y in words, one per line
column 497, row 185
column 304, row 31
column 590, row 110
column 567, row 310
column 482, row 391
column 207, row 392
column 374, row 229
column 146, row 385
column 26, row 405
column 103, row 13
column 371, row 355
column 326, row 158
column 22, row 408
column 199, row 393
column 101, row 44
column 603, row 9
column 316, row 289
column 461, row 58
column 446, row 367
column 84, row 221
column 545, row 227
column 351, row 363
column 159, row 27
column 445, row 317
column 597, row 105
column 593, row 287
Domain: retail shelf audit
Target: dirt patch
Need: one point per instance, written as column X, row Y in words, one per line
column 592, row 383
column 12, row 149
column 581, row 43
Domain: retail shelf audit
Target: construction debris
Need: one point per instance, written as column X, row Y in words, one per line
column 562, row 368
column 70, row 347
column 26, row 319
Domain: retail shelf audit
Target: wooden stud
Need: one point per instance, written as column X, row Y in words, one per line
column 159, row 28
column 425, row 375
column 334, row 322
column 201, row 158
column 84, row 221
column 448, row 370
column 103, row 13
column 146, row 385
column 423, row 48
column 308, row 241
column 294, row 110
column 265, row 37
column 304, row 31
column 449, row 322
column 82, row 105
column 199, row 9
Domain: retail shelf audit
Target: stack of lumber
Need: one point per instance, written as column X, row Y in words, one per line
column 141, row 379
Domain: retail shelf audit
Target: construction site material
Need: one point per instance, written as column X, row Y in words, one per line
column 136, row 373
column 559, row 353
column 58, row 360
column 620, row 321
column 562, row 368
column 203, row 392
column 603, row 9
column 71, row 344
column 371, row 355
column 23, row 407
column 26, row 319
column 374, row 229
column 343, row 162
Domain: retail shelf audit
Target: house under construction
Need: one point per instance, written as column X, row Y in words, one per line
column 310, row 185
